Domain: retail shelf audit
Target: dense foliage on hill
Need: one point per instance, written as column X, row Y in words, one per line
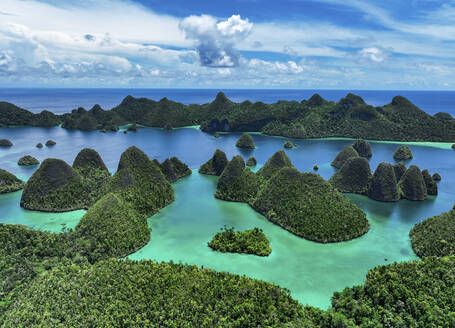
column 174, row 169
column 251, row 161
column 9, row 182
column 252, row 241
column 54, row 187
column 413, row 294
column 237, row 183
column 274, row 164
column 134, row 294
column 308, row 206
column 435, row 236
column 27, row 160
column 363, row 148
column 288, row 145
column 112, row 228
column 384, row 186
column 412, row 185
column 90, row 165
column 215, row 165
column 400, row 169
column 353, row 177
column 345, row 154
column 140, row 182
column 245, row 141
column 315, row 118
column 402, row 153
column 432, row 187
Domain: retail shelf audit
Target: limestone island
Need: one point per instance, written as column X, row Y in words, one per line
column 251, row 162
column 50, row 143
column 174, row 169
column 9, row 182
column 288, row 145
column 245, row 141
column 215, row 165
column 27, row 161
column 252, row 241
column 5, row 143
column 345, row 154
column 402, row 153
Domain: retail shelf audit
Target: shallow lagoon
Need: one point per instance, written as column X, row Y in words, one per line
column 180, row 232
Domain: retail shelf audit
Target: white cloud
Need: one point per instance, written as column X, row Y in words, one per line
column 376, row 55
column 215, row 41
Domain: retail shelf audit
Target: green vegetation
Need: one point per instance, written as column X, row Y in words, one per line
column 353, row 177
column 27, row 161
column 9, row 182
column 345, row 154
column 315, row 118
column 11, row 115
column 39, row 145
column 50, row 143
column 245, row 141
column 251, row 162
column 435, row 236
column 288, row 145
column 432, row 187
column 274, row 164
column 412, row 185
column 443, row 116
column 90, row 165
column 402, row 153
column 308, row 206
column 384, row 186
column 413, row 294
column 5, row 143
column 237, row 183
column 215, row 165
column 363, row 148
column 174, row 169
column 400, row 169
column 112, row 228
column 55, row 187
column 252, row 241
column 140, row 182
column 436, row 177
column 315, row 167
column 139, row 294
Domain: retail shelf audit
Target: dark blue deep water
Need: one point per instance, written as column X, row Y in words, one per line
column 63, row 100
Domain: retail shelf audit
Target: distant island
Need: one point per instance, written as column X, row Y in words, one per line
column 316, row 117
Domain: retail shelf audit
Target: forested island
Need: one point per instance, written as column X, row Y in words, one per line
column 400, row 120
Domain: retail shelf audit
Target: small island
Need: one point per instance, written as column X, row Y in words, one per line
column 251, row 162
column 50, row 143
column 353, row 177
column 245, row 141
column 215, row 165
column 27, row 161
column 39, row 145
column 363, row 148
column 402, row 153
column 252, row 241
column 345, row 154
column 5, row 143
column 288, row 145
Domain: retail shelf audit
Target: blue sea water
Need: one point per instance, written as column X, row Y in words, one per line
column 64, row 100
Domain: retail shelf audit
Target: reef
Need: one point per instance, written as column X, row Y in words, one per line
column 245, row 141
column 353, row 177
column 402, row 153
column 9, row 182
column 363, row 148
column 215, row 165
column 27, row 161
column 252, row 241
column 412, row 185
column 384, row 185
column 345, row 154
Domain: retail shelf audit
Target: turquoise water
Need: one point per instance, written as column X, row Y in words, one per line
column 180, row 232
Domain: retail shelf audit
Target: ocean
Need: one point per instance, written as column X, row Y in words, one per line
column 64, row 100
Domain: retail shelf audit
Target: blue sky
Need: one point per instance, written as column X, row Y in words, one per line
column 328, row 44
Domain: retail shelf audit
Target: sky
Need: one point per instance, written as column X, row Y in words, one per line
column 287, row 44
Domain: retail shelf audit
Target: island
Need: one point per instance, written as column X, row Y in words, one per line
column 353, row 177
column 345, row 154
column 9, row 182
column 351, row 117
column 27, row 160
column 245, row 141
column 251, row 161
column 252, row 241
column 5, row 143
column 215, row 165
column 402, row 153
column 174, row 169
